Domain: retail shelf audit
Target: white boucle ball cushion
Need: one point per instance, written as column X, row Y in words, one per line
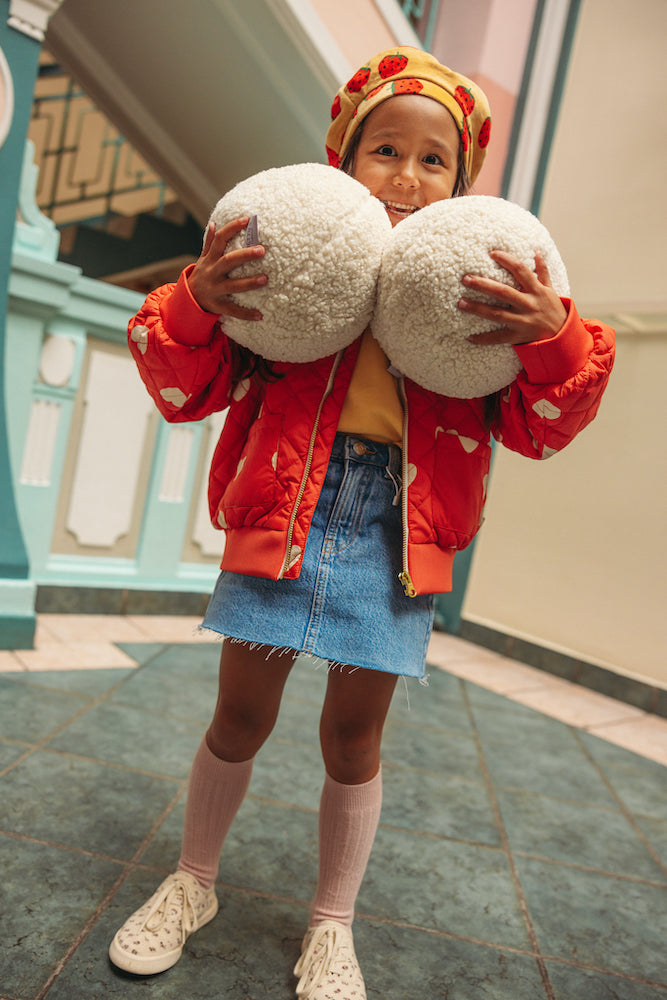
column 323, row 234
column 417, row 321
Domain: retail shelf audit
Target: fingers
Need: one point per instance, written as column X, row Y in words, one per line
column 215, row 246
column 212, row 280
column 208, row 237
column 498, row 336
column 532, row 311
column 542, row 271
column 230, row 308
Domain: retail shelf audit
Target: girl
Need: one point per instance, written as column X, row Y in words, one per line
column 343, row 505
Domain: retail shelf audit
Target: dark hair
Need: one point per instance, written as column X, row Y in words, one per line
column 491, row 409
column 248, row 364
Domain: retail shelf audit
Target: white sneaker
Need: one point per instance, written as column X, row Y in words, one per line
column 152, row 939
column 328, row 966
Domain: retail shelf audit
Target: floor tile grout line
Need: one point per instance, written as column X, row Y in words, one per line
column 618, row 876
column 91, row 704
column 518, row 888
column 508, row 788
column 26, row 838
column 103, row 905
column 447, row 935
column 592, row 728
column 392, row 828
column 19, row 760
column 587, row 967
column 58, row 751
column 627, row 813
column 43, row 745
column 593, row 806
column 148, row 639
column 511, row 949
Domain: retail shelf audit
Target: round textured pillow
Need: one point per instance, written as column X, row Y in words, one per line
column 323, row 233
column 417, row 321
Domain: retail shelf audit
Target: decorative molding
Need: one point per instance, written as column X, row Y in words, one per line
column 627, row 320
column 209, row 540
column 176, row 464
column 57, row 360
column 31, row 17
column 108, row 468
column 6, row 98
column 34, row 234
column 40, row 443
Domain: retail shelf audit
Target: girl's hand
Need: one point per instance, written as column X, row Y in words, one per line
column 210, row 282
column 533, row 311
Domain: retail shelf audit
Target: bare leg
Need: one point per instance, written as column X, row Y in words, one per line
column 249, row 694
column 353, row 717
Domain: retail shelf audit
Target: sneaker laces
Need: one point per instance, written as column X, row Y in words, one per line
column 329, row 939
column 174, row 895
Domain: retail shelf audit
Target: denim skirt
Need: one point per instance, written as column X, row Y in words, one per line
column 347, row 605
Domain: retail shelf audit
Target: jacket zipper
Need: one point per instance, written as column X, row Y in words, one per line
column 309, row 462
column 404, row 575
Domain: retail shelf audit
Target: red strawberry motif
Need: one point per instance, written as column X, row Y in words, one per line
column 391, row 65
column 407, row 87
column 334, row 158
column 465, row 99
column 373, row 92
column 484, row 133
column 465, row 135
column 359, row 80
column 335, row 107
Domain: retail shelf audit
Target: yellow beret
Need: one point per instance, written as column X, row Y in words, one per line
column 406, row 70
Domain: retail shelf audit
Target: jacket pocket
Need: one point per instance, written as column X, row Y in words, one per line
column 253, row 490
column 459, row 486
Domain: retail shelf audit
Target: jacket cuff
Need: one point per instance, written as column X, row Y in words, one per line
column 184, row 320
column 561, row 356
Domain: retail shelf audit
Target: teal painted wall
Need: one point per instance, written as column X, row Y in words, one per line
column 17, row 617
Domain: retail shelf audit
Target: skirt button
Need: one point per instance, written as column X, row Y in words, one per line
column 359, row 448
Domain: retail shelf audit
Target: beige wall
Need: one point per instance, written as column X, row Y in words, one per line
column 604, row 200
column 371, row 32
column 573, row 555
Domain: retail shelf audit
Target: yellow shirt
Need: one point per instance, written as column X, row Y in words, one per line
column 372, row 407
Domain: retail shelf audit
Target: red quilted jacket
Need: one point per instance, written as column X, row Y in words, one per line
column 271, row 459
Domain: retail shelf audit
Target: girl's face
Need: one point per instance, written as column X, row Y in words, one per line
column 408, row 154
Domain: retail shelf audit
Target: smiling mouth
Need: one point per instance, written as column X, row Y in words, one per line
column 398, row 209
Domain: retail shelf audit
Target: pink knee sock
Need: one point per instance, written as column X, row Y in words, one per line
column 216, row 790
column 349, row 816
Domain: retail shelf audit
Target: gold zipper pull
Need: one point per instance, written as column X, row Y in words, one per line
column 407, row 584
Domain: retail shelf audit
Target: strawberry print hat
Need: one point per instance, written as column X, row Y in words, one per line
column 406, row 70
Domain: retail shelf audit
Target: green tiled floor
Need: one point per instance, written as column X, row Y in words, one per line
column 517, row 858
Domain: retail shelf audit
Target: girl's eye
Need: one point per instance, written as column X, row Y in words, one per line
column 386, row 150
column 431, row 158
